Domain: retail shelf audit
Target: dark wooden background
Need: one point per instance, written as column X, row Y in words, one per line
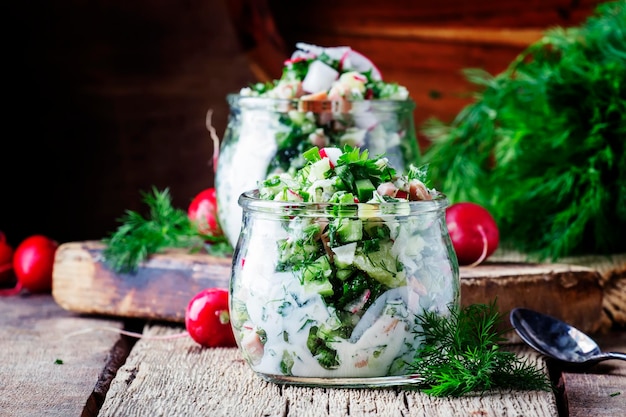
column 107, row 99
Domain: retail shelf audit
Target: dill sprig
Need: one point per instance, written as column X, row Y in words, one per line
column 542, row 144
column 138, row 237
column 461, row 354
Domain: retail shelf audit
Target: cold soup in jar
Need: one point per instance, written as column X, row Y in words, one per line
column 333, row 264
column 326, row 97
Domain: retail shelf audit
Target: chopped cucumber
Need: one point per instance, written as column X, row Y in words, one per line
column 345, row 175
column 364, row 189
column 346, row 207
column 315, row 276
column 344, row 230
column 381, row 265
column 344, row 274
column 312, row 155
column 368, row 210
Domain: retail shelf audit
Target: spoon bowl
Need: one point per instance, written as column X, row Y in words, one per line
column 557, row 339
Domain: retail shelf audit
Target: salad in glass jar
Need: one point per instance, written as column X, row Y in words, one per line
column 334, row 263
column 326, row 97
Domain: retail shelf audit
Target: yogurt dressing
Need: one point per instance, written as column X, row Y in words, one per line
column 382, row 341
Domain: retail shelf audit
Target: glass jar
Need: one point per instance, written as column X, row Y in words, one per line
column 265, row 136
column 327, row 294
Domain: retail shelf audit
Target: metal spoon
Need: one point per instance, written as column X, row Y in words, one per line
column 558, row 340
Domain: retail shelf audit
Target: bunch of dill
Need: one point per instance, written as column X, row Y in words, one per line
column 461, row 354
column 543, row 144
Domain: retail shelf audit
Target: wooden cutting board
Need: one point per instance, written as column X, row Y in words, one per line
column 164, row 284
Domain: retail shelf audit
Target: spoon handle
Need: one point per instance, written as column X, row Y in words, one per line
column 614, row 355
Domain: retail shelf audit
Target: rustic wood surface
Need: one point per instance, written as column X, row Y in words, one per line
column 612, row 270
column 104, row 374
column 160, row 289
column 224, row 385
column 33, row 337
column 600, row 391
column 163, row 285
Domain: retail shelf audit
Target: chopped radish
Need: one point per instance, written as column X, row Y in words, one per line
column 332, row 154
column 319, row 77
column 298, row 58
column 418, row 191
column 344, row 255
column 388, row 189
column 358, row 304
column 294, row 196
column 354, row 60
column 306, row 49
column 252, row 345
column 365, row 120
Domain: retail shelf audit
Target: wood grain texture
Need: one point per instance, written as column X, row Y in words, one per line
column 160, row 289
column 612, row 273
column 599, row 390
column 36, row 332
column 569, row 292
column 167, row 379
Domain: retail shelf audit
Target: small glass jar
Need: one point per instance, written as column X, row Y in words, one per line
column 327, row 294
column 266, row 136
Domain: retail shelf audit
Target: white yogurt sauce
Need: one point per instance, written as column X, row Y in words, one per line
column 278, row 304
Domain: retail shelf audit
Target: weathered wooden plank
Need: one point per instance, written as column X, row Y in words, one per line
column 612, row 273
column 160, row 289
column 176, row 377
column 600, row 390
column 33, row 336
column 569, row 292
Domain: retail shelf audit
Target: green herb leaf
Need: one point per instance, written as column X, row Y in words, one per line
column 542, row 144
column 461, row 354
column 138, row 237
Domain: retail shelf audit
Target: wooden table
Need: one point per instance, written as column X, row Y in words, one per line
column 59, row 363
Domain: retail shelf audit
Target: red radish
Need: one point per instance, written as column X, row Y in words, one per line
column 33, row 261
column 6, row 261
column 332, row 154
column 474, row 232
column 353, row 60
column 203, row 210
column 207, row 319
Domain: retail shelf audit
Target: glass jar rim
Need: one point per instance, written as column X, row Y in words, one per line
column 318, row 106
column 251, row 201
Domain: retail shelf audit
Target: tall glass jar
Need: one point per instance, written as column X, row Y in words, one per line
column 266, row 135
column 327, row 294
